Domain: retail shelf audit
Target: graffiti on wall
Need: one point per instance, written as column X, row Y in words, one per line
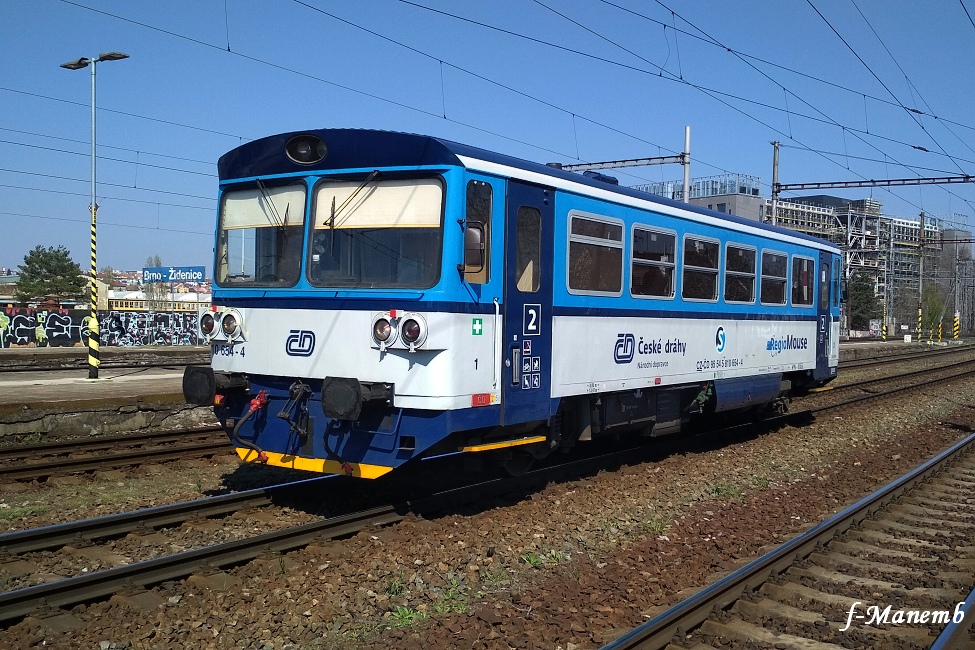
column 65, row 328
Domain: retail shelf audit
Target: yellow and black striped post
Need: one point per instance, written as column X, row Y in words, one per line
column 93, row 361
column 883, row 325
column 940, row 322
column 79, row 64
column 919, row 332
column 956, row 326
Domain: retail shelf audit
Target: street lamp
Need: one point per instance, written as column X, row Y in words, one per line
column 78, row 64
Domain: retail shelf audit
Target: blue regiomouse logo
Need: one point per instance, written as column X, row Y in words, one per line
column 625, row 347
column 300, row 343
column 783, row 344
column 720, row 340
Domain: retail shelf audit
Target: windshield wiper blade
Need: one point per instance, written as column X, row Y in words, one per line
column 331, row 229
column 275, row 220
column 336, row 211
column 346, row 202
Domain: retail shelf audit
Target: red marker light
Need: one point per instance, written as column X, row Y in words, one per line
column 392, row 313
column 218, row 400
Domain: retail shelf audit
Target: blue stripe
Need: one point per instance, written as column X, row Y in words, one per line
column 697, row 315
column 352, row 304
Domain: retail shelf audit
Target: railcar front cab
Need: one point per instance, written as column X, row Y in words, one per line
column 335, row 312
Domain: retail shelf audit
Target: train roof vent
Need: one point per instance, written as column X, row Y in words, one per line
column 605, row 178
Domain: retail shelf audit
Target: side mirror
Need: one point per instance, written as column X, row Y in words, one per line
column 473, row 248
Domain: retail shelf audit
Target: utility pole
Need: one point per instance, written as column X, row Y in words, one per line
column 889, row 291
column 686, row 162
column 775, row 179
column 920, row 277
column 956, row 323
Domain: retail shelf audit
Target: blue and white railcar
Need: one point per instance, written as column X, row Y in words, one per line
column 381, row 297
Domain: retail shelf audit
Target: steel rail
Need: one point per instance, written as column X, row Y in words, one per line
column 68, row 465
column 57, row 535
column 911, row 356
column 885, row 393
column 957, row 634
column 12, row 452
column 20, row 602
column 659, row 631
column 903, row 375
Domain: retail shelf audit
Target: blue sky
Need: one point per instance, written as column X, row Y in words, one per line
column 546, row 80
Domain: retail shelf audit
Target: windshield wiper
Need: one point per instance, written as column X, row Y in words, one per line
column 331, row 230
column 335, row 212
column 274, row 219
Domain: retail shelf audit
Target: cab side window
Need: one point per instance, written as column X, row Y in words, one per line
column 480, row 199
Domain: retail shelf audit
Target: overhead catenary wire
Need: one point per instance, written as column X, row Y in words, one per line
column 752, row 117
column 439, row 116
column 445, row 63
column 885, row 86
column 829, row 119
column 666, row 75
column 104, row 223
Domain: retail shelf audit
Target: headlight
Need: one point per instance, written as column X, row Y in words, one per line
column 411, row 330
column 207, row 324
column 382, row 330
column 306, row 149
column 230, row 325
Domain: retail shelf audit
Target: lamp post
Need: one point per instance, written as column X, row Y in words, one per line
column 78, row 64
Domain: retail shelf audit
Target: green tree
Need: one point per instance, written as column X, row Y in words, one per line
column 933, row 309
column 107, row 275
column 50, row 273
column 862, row 302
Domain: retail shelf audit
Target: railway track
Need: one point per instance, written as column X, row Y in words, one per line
column 862, row 384
column 907, row 545
column 108, row 452
column 98, row 584
column 907, row 356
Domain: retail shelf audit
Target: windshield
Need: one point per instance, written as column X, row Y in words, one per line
column 377, row 233
column 261, row 232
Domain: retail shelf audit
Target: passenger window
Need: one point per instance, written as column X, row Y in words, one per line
column 479, row 204
column 595, row 256
column 802, row 281
column 824, row 287
column 739, row 276
column 652, row 271
column 528, row 253
column 700, row 280
column 836, row 284
column 774, row 276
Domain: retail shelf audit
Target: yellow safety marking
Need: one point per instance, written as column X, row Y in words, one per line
column 505, row 443
column 319, row 465
column 821, row 389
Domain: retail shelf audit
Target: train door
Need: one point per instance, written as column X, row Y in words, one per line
column 824, row 321
column 527, row 330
